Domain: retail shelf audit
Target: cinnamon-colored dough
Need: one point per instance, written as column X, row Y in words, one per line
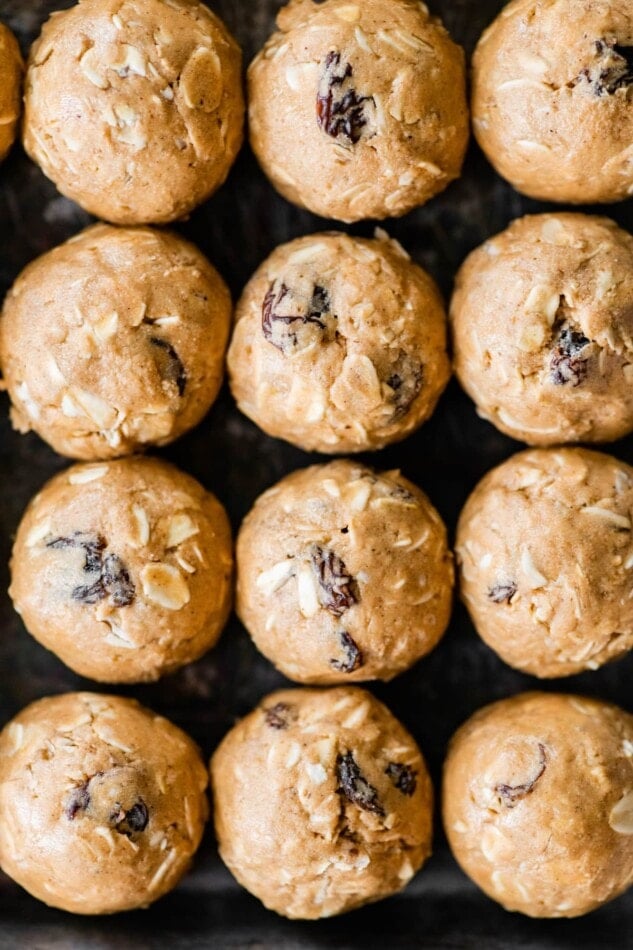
column 11, row 67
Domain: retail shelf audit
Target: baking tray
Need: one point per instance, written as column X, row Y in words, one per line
column 228, row 454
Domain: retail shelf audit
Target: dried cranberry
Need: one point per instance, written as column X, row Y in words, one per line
column 567, row 363
column 291, row 322
column 354, row 785
column 278, row 716
column 169, row 365
column 353, row 656
column 511, row 794
column 341, row 112
column 337, row 588
column 403, row 777
column 503, row 592
column 112, row 576
column 405, row 379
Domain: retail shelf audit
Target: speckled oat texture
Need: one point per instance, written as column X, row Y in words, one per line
column 553, row 98
column 344, row 574
column 10, row 82
column 538, row 802
column 123, row 569
column 102, row 803
column 542, row 321
column 358, row 110
column 322, row 802
column 545, row 549
column 114, row 341
column 339, row 344
column 134, row 108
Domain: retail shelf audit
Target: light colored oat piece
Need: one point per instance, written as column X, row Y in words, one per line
column 339, row 344
column 552, row 87
column 11, row 68
column 102, row 803
column 322, row 802
column 537, row 802
column 542, row 332
column 344, row 574
column 114, row 341
column 545, row 552
column 124, row 569
column 358, row 110
column 134, row 108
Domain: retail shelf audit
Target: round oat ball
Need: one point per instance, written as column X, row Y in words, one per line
column 10, row 87
column 322, row 802
column 134, row 108
column 551, row 98
column 102, row 803
column 339, row 344
column 344, row 574
column 543, row 330
column 538, row 802
column 123, row 569
column 545, row 551
column 358, row 110
column 114, row 341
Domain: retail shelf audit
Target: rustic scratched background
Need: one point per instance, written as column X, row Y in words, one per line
column 237, row 229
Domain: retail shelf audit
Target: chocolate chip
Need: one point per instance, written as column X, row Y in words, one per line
column 112, row 576
column 402, row 776
column 405, row 379
column 291, row 322
column 353, row 656
column 567, row 363
column 502, row 592
column 511, row 794
column 278, row 716
column 341, row 112
column 355, row 787
column 169, row 365
column 338, row 590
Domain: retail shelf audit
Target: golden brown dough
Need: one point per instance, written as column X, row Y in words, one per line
column 11, row 67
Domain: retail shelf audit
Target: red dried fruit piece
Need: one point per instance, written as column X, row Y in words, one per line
column 502, row 592
column 511, row 794
column 337, row 588
column 567, row 364
column 341, row 112
column 354, row 785
column 403, row 777
column 353, row 656
column 169, row 365
column 293, row 323
column 279, row 715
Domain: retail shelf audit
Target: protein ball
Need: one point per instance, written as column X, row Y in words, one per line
column 339, row 344
column 134, row 108
column 123, row 569
column 114, row 341
column 102, row 803
column 322, row 802
column 542, row 331
column 11, row 67
column 538, row 802
column 545, row 549
column 358, row 110
column 344, row 574
column 552, row 98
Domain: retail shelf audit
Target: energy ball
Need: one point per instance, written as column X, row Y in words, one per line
column 538, row 802
column 102, row 803
column 10, row 87
column 322, row 802
column 344, row 574
column 358, row 110
column 114, row 341
column 545, row 549
column 134, row 108
column 339, row 344
column 123, row 569
column 551, row 98
column 542, row 331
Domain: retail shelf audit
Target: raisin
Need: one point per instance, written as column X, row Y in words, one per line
column 78, row 800
column 613, row 70
column 503, row 592
column 337, row 588
column 292, row 323
column 567, row 363
column 169, row 365
column 277, row 716
column 353, row 656
column 112, row 576
column 132, row 821
column 116, row 581
column 341, row 112
column 403, row 777
column 511, row 794
column 405, row 379
column 354, row 785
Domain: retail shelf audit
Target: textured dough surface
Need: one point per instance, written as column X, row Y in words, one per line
column 114, row 341
column 358, row 110
column 123, row 569
column 552, row 98
column 102, row 803
column 538, row 802
column 134, row 108
column 339, row 344
column 545, row 549
column 542, row 323
column 11, row 67
column 322, row 802
column 344, row 574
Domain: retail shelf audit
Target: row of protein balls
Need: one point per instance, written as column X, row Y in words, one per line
column 115, row 340
column 322, row 802
column 357, row 110
column 124, row 569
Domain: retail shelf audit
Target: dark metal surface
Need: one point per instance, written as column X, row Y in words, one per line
column 237, row 229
